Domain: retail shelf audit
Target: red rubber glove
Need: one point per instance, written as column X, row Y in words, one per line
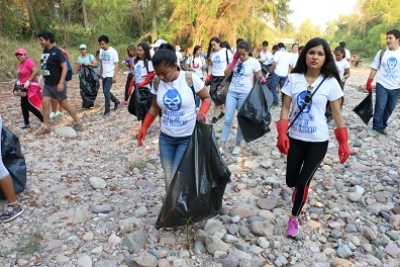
column 234, row 61
column 205, row 106
column 148, row 78
column 208, row 78
column 283, row 138
column 263, row 80
column 148, row 120
column 369, row 85
column 342, row 136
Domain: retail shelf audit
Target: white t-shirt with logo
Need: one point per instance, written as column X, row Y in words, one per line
column 141, row 71
column 197, row 64
column 266, row 57
column 243, row 75
column 389, row 69
column 283, row 60
column 219, row 62
column 177, row 104
column 311, row 125
column 108, row 59
column 342, row 66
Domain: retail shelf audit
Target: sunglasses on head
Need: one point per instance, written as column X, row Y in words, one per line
column 308, row 95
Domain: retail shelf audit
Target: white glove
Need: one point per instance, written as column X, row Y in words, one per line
column 27, row 83
column 18, row 83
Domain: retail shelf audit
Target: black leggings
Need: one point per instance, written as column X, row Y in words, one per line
column 26, row 107
column 302, row 162
column 128, row 82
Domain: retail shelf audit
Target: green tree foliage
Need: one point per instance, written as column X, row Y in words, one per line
column 125, row 21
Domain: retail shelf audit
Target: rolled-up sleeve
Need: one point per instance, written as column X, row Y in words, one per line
column 3, row 171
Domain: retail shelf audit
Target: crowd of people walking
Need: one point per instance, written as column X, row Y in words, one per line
column 307, row 83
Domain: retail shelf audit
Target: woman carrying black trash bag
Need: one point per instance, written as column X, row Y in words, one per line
column 242, row 68
column 176, row 101
column 13, row 208
column 218, row 59
column 313, row 82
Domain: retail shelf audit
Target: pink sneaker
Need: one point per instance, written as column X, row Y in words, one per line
column 294, row 195
column 124, row 103
column 293, row 228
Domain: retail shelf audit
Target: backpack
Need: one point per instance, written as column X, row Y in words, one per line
column 188, row 77
column 70, row 72
column 381, row 56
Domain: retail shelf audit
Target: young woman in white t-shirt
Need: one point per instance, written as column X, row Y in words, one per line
column 218, row 59
column 196, row 62
column 307, row 141
column 144, row 75
column 243, row 68
column 175, row 100
column 342, row 65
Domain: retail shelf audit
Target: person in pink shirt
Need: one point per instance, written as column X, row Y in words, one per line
column 26, row 72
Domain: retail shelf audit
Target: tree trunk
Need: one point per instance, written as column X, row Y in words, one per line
column 154, row 21
column 32, row 16
column 85, row 17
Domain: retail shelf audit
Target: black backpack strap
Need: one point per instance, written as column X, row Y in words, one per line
column 305, row 104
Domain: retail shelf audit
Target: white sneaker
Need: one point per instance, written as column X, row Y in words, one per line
column 52, row 115
column 59, row 113
column 221, row 150
column 236, row 150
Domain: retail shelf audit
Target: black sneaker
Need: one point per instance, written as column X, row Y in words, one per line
column 214, row 120
column 106, row 114
column 116, row 105
column 25, row 126
column 221, row 115
column 10, row 213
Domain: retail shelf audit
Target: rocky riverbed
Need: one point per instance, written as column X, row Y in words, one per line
column 93, row 199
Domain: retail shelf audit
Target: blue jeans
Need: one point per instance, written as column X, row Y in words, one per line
column 275, row 80
column 107, row 82
column 234, row 101
column 385, row 103
column 171, row 153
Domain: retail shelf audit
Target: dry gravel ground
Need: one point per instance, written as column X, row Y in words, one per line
column 349, row 220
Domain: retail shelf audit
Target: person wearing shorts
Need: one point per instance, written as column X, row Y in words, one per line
column 54, row 70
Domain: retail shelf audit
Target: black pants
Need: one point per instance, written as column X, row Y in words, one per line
column 26, row 107
column 128, row 82
column 302, row 162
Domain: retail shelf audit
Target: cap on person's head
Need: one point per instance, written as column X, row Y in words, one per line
column 158, row 43
column 82, row 46
column 21, row 51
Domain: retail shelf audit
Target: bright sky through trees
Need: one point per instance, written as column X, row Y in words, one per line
column 319, row 11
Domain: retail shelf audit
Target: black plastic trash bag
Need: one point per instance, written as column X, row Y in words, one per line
column 215, row 82
column 89, row 86
column 13, row 160
column 140, row 102
column 196, row 191
column 254, row 116
column 365, row 109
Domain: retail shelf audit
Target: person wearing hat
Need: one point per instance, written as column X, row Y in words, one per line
column 87, row 60
column 26, row 72
column 156, row 46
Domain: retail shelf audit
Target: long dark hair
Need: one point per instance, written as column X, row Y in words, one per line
column 215, row 39
column 328, row 69
column 147, row 56
column 195, row 49
column 341, row 50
